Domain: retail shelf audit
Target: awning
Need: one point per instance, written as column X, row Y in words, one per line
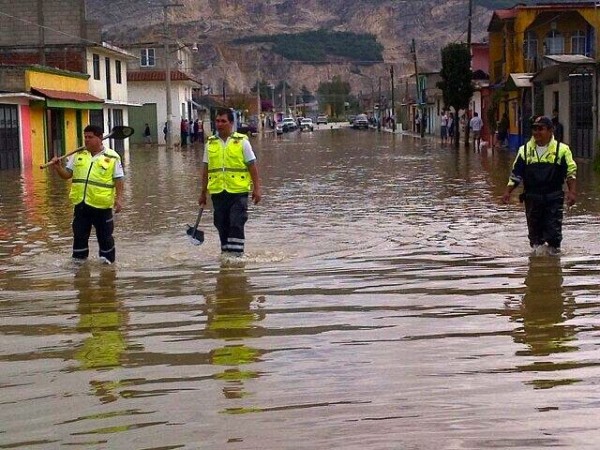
column 68, row 99
column 122, row 103
column 519, row 81
column 561, row 66
column 571, row 59
column 16, row 96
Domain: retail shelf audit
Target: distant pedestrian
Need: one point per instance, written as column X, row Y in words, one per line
column 503, row 126
column 451, row 126
column 196, row 132
column 476, row 124
column 444, row 126
column 558, row 127
column 166, row 130
column 147, row 134
column 184, row 131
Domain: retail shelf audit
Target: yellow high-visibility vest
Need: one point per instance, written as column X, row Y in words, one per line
column 227, row 170
column 93, row 181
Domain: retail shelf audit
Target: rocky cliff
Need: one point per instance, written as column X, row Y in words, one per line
column 214, row 23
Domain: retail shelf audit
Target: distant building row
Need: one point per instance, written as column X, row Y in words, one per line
column 56, row 76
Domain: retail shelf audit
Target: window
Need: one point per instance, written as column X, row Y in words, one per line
column 578, row 43
column 96, row 63
column 554, row 44
column 118, row 75
column 530, row 45
column 147, row 57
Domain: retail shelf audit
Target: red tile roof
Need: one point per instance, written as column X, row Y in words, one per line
column 157, row 75
column 67, row 95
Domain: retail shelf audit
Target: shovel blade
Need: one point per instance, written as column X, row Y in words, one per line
column 196, row 235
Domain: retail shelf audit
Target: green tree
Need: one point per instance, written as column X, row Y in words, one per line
column 334, row 95
column 456, row 84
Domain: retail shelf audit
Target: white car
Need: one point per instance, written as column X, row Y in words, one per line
column 288, row 124
column 306, row 125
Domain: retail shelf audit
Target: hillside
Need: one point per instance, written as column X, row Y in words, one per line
column 216, row 24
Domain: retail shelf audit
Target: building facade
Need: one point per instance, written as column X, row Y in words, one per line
column 542, row 61
column 55, row 39
column 147, row 85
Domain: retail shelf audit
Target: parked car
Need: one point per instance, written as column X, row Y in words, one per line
column 288, row 124
column 247, row 128
column 306, row 125
column 360, row 121
column 321, row 120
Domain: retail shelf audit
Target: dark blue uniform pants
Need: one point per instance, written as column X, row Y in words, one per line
column 84, row 218
column 230, row 216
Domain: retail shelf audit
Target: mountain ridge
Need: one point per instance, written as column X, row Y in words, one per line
column 214, row 24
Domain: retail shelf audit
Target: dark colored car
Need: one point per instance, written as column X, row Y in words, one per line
column 360, row 121
column 247, row 128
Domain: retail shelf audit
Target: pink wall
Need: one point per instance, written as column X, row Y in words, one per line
column 481, row 57
column 26, row 136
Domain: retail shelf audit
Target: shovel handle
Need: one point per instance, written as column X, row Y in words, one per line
column 48, row 164
column 198, row 219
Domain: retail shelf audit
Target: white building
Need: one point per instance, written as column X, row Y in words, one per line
column 106, row 65
column 147, row 85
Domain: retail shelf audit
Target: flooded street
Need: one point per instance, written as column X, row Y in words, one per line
column 387, row 301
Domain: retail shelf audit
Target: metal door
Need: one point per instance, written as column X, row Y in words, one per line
column 10, row 153
column 581, row 123
column 118, row 145
column 55, row 118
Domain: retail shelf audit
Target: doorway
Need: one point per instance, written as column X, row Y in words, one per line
column 581, row 123
column 10, row 152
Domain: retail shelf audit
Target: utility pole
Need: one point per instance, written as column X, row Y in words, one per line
column 469, row 49
column 469, row 25
column 379, row 109
column 413, row 50
column 284, row 100
column 167, row 61
column 393, row 107
column 258, row 103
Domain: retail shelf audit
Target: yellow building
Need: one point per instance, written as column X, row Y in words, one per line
column 52, row 121
column 542, row 61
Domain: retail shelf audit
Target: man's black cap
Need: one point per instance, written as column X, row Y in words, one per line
column 542, row 121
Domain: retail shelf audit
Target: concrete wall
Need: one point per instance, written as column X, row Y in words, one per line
column 155, row 92
column 64, row 21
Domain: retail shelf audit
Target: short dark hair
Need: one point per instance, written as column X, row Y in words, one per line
column 226, row 112
column 95, row 129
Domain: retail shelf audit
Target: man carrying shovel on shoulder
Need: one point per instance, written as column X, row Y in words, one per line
column 96, row 187
column 229, row 174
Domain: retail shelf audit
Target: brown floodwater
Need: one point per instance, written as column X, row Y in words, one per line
column 387, row 300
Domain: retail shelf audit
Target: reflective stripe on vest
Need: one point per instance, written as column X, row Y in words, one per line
column 227, row 170
column 93, row 181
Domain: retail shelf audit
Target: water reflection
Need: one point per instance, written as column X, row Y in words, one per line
column 231, row 317
column 545, row 309
column 102, row 319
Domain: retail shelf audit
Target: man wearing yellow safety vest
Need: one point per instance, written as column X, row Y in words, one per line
column 229, row 173
column 542, row 165
column 96, row 187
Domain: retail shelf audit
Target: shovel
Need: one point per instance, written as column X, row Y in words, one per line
column 119, row 132
column 196, row 235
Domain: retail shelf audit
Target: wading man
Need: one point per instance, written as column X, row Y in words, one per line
column 96, row 187
column 229, row 173
column 542, row 165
